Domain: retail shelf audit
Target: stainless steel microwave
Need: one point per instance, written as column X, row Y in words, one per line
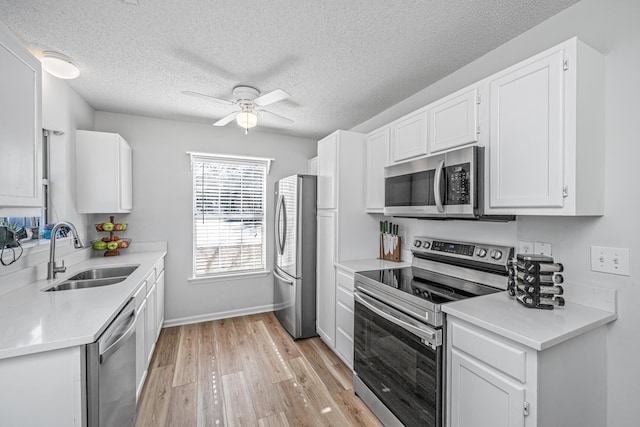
column 442, row 186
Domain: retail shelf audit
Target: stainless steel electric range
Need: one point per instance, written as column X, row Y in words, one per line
column 398, row 331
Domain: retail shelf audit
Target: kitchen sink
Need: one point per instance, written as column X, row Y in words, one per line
column 102, row 273
column 94, row 278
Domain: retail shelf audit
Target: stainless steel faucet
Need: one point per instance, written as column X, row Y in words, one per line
column 52, row 270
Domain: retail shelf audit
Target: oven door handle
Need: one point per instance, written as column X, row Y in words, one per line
column 425, row 333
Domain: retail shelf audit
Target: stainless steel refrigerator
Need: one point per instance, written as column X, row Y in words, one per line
column 295, row 263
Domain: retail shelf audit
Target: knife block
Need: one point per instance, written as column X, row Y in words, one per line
column 393, row 253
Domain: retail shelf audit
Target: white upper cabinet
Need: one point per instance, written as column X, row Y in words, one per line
column 327, row 172
column 409, row 136
column 104, row 180
column 546, row 142
column 377, row 159
column 453, row 120
column 20, row 124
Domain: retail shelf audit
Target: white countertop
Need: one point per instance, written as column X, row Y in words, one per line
column 32, row 321
column 535, row 328
column 353, row 266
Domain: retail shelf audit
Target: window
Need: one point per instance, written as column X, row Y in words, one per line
column 229, row 201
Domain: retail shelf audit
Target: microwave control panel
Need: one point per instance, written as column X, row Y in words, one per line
column 458, row 184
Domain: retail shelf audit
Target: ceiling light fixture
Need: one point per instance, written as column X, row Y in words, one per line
column 247, row 119
column 59, row 65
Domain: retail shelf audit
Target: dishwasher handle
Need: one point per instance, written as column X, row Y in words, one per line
column 119, row 331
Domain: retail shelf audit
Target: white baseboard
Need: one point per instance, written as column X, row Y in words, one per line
column 215, row 316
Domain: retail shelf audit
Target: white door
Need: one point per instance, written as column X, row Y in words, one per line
column 377, row 159
column 453, row 121
column 481, row 396
column 327, row 172
column 526, row 134
column 325, row 278
column 409, row 137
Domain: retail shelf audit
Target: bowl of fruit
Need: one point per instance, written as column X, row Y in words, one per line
column 110, row 226
column 111, row 244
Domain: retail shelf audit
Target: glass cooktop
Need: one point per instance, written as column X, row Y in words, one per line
column 433, row 287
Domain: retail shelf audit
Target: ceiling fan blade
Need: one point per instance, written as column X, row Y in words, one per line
column 208, row 97
column 282, row 119
column 271, row 97
column 226, row 119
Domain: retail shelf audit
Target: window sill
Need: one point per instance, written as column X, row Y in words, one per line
column 226, row 277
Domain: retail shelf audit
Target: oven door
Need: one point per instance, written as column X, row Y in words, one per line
column 399, row 360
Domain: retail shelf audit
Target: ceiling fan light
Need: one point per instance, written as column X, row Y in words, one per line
column 247, row 119
column 59, row 65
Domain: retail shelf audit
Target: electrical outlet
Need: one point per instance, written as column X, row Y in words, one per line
column 542, row 248
column 525, row 247
column 610, row 260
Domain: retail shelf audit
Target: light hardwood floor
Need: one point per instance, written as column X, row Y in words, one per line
column 247, row 371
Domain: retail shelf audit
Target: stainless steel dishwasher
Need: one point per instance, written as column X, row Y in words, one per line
column 111, row 373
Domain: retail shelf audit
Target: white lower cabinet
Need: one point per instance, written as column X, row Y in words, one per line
column 150, row 316
column 344, row 316
column 483, row 393
column 494, row 381
column 141, row 326
column 43, row 389
column 150, row 321
column 159, row 302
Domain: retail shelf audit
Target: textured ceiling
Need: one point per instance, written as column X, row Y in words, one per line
column 342, row 61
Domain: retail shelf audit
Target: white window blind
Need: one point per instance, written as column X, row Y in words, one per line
column 228, row 214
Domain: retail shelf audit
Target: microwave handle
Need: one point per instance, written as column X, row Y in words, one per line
column 436, row 187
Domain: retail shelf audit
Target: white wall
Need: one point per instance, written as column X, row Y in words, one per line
column 612, row 27
column 162, row 204
column 64, row 110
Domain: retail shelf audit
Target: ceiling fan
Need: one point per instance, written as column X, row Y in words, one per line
column 250, row 103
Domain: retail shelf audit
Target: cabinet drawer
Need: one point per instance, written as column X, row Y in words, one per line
column 140, row 295
column 151, row 279
column 502, row 356
column 345, row 280
column 344, row 319
column 159, row 268
column 345, row 298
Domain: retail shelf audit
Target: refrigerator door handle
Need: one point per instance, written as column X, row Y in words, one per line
column 282, row 278
column 282, row 210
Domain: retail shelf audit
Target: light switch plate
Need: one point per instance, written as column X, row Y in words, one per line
column 610, row 260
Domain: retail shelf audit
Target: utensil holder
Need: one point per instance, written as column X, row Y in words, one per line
column 390, row 247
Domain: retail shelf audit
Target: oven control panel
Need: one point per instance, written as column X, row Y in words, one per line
column 487, row 253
